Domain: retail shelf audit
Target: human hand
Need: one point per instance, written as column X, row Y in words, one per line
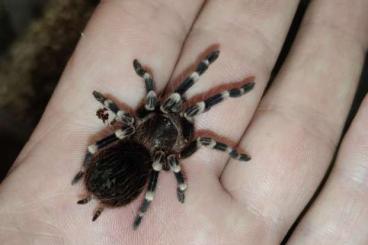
column 292, row 132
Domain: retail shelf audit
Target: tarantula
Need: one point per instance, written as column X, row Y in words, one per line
column 117, row 168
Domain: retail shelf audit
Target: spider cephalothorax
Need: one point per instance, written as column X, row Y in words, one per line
column 117, row 168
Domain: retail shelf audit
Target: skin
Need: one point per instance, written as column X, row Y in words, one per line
column 291, row 133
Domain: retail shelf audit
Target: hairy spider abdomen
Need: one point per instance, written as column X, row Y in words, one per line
column 118, row 174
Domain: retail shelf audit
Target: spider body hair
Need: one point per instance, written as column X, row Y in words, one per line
column 118, row 174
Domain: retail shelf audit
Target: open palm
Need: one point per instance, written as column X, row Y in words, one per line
column 291, row 133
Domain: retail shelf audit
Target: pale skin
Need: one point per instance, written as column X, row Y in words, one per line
column 291, row 133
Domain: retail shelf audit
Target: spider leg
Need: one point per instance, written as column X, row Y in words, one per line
column 175, row 167
column 120, row 115
column 97, row 212
column 205, row 105
column 119, row 134
column 85, row 200
column 152, row 184
column 211, row 143
column 174, row 101
column 151, row 96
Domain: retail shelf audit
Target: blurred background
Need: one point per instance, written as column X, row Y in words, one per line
column 36, row 39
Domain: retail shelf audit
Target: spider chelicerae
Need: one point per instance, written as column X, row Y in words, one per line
column 117, row 168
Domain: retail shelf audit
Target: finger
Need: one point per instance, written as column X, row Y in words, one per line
column 249, row 36
column 118, row 33
column 295, row 131
column 340, row 214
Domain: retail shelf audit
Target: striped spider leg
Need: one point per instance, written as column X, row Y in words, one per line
column 174, row 102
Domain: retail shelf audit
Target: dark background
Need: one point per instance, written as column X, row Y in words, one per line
column 36, row 39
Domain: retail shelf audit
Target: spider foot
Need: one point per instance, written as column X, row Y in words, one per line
column 97, row 213
column 84, row 200
column 137, row 221
column 180, row 195
column 77, row 177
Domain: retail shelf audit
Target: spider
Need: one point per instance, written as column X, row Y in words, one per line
column 117, row 168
